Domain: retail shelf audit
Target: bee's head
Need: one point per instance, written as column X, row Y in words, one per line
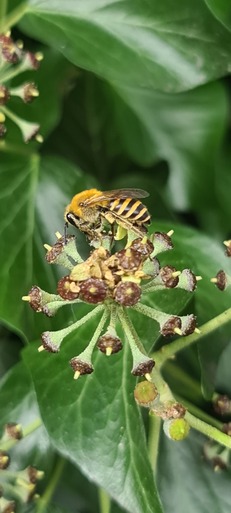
column 71, row 218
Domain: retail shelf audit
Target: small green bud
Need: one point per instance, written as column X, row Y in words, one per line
column 176, row 429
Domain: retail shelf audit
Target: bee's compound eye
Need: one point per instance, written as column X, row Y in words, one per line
column 72, row 218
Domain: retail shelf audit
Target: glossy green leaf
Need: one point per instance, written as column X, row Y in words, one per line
column 182, row 467
column 185, row 130
column 156, row 46
column 221, row 10
column 34, row 193
column 95, row 422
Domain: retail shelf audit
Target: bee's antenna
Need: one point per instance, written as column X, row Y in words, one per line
column 65, row 232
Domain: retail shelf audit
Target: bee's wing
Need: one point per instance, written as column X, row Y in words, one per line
column 117, row 193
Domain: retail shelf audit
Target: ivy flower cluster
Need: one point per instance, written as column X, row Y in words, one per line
column 114, row 284
column 14, row 61
column 16, row 486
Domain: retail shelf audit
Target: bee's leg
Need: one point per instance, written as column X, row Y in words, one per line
column 65, row 233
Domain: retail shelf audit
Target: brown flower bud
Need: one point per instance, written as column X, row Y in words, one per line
column 57, row 248
column 227, row 243
column 167, row 276
column 128, row 259
column 3, row 130
column 32, row 60
column 81, row 367
column 143, row 247
column 169, row 327
column 143, row 368
column 222, row 404
column 30, row 92
column 67, row 288
column 4, row 95
column 187, row 280
column 13, row 430
column 93, row 290
column 109, row 344
column 162, row 242
column 48, row 344
column 188, row 324
column 221, row 280
column 4, row 460
column 10, row 51
column 127, row 293
column 145, row 393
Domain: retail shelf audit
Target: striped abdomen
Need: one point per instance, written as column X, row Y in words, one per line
column 131, row 209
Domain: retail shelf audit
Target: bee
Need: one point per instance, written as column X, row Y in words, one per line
column 89, row 210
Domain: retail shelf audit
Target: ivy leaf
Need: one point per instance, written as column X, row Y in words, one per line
column 221, row 10
column 165, row 47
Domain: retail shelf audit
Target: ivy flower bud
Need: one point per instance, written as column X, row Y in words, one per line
column 10, row 52
column 187, row 280
column 27, row 92
column 68, row 289
column 80, row 367
column 93, row 290
column 3, row 130
column 162, row 242
column 222, row 404
column 109, row 343
column 169, row 276
column 221, row 280
column 41, row 301
column 145, row 393
column 4, row 460
column 176, row 429
column 171, row 326
column 127, row 293
column 12, row 430
column 188, row 324
column 227, row 243
column 128, row 259
column 142, row 246
column 30, row 475
column 4, row 95
column 59, row 252
column 143, row 367
column 32, row 60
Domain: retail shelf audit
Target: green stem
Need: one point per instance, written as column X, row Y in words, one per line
column 13, row 17
column 171, row 349
column 44, row 500
column 153, row 440
column 3, row 11
column 208, row 430
column 128, row 325
column 104, row 501
column 199, row 413
column 5, row 446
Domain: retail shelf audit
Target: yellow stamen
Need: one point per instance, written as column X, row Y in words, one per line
column 178, row 331
column 170, row 233
column 20, row 44
column 198, row 278
column 197, row 331
column 39, row 138
column 175, row 274
column 2, row 117
column 227, row 243
column 148, row 376
column 39, row 56
column 108, row 351
column 214, row 280
column 41, row 348
column 26, row 298
column 2, row 94
column 58, row 235
column 76, row 375
column 47, row 246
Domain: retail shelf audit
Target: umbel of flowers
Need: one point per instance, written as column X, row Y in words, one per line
column 14, row 61
column 115, row 283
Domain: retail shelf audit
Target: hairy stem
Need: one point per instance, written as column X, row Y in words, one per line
column 153, row 441
column 208, row 430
